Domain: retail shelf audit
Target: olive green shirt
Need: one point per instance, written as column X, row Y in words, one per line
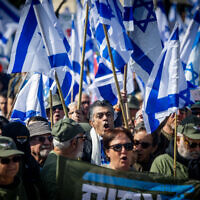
column 164, row 164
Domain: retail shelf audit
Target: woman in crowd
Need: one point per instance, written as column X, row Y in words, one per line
column 118, row 146
column 10, row 185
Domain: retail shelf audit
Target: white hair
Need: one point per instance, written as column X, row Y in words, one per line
column 61, row 145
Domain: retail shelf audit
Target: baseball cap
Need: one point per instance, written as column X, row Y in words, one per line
column 55, row 101
column 190, row 127
column 39, row 128
column 85, row 126
column 66, row 129
column 8, row 147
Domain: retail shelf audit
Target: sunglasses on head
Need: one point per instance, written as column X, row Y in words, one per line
column 191, row 144
column 144, row 145
column 118, row 147
column 43, row 138
column 6, row 161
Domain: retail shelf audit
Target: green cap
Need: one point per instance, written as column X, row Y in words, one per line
column 190, row 127
column 66, row 129
column 86, row 127
column 55, row 101
column 133, row 102
column 8, row 147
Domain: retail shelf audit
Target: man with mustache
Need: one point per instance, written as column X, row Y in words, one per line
column 188, row 152
column 101, row 116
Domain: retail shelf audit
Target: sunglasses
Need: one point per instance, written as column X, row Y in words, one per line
column 100, row 115
column 84, row 137
column 6, row 161
column 43, row 138
column 144, row 145
column 191, row 144
column 57, row 107
column 118, row 147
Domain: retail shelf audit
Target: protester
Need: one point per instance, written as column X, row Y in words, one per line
column 101, row 119
column 144, row 145
column 118, row 146
column 68, row 142
column 85, row 104
column 30, row 169
column 11, row 186
column 133, row 105
column 76, row 114
column 34, row 119
column 196, row 109
column 3, row 103
column 188, row 152
column 138, row 117
column 58, row 112
column 41, row 140
column 3, row 122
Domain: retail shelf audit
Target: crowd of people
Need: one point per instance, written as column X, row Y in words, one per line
column 96, row 134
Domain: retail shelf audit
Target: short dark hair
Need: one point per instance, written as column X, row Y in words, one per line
column 3, row 122
column 3, row 94
column 112, row 133
column 99, row 103
column 36, row 118
column 155, row 135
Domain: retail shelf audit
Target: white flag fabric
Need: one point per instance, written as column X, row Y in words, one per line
column 145, row 39
column 166, row 89
column 30, row 52
column 193, row 66
column 30, row 101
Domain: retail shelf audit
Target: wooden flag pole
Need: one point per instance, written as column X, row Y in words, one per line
column 48, row 54
column 61, row 95
column 175, row 145
column 83, row 58
column 51, row 108
column 124, row 88
column 115, row 77
column 18, row 90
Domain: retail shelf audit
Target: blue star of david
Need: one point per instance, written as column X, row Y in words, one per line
column 185, row 95
column 149, row 10
column 195, row 75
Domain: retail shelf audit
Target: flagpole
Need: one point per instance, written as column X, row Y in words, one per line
column 83, row 58
column 115, row 77
column 18, row 90
column 175, row 145
column 51, row 106
column 48, row 54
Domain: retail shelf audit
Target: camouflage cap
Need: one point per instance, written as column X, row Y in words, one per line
column 133, row 102
column 8, row 147
column 190, row 127
column 55, row 101
column 66, row 129
column 85, row 126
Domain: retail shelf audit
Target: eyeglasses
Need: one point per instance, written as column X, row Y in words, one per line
column 100, row 115
column 43, row 138
column 144, row 145
column 118, row 147
column 191, row 144
column 6, row 161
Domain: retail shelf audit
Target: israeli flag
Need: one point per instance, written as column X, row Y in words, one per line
column 30, row 101
column 128, row 15
column 39, row 44
column 189, row 38
column 166, row 89
column 110, row 14
column 103, row 86
column 193, row 66
column 145, row 39
column 163, row 25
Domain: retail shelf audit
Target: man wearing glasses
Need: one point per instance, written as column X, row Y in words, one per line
column 188, row 152
column 10, row 185
column 41, row 140
column 144, row 145
column 68, row 140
